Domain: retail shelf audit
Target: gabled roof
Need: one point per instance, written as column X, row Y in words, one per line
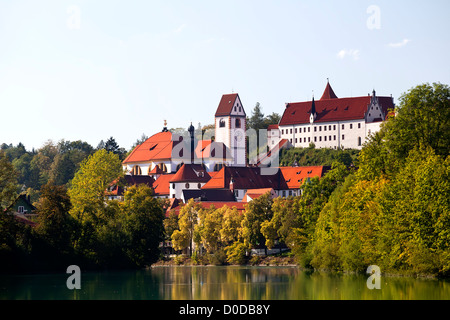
column 328, row 93
column 157, row 147
column 191, row 173
column 161, row 186
column 253, row 194
column 296, row 176
column 245, row 178
column 331, row 110
column 226, row 104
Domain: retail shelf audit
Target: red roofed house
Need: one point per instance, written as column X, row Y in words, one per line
column 189, row 176
column 333, row 122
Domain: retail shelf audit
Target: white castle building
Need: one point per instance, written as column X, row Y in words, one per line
column 331, row 122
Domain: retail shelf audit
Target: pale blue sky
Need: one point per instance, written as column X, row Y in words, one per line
column 119, row 68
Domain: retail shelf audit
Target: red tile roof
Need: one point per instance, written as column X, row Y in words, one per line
column 157, row 147
column 331, row 110
column 296, row 176
column 256, row 193
column 245, row 178
column 328, row 93
column 191, row 173
column 272, row 127
column 226, row 104
column 162, row 185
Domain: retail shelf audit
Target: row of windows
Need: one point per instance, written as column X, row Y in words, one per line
column 237, row 123
column 186, row 186
column 330, row 127
column 297, row 140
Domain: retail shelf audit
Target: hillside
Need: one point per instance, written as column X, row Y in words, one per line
column 317, row 157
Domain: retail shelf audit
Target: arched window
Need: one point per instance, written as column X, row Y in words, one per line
column 218, row 166
column 179, row 166
column 186, row 185
column 222, row 123
column 238, row 123
column 163, row 167
column 136, row 171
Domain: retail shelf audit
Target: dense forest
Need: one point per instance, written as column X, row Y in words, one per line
column 387, row 205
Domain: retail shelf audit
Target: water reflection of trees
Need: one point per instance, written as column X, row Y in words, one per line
column 278, row 283
column 220, row 283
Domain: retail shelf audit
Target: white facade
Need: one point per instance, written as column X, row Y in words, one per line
column 176, row 188
column 230, row 130
column 350, row 134
column 344, row 134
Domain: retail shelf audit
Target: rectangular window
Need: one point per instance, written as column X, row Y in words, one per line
column 21, row 209
column 320, row 138
column 304, row 139
column 320, row 128
column 324, row 128
column 334, row 127
column 315, row 139
column 343, row 137
column 342, row 127
column 295, row 130
column 315, row 129
column 309, row 139
column 295, row 140
column 329, row 128
column 282, row 131
column 359, row 125
column 308, row 129
column 351, row 125
column 291, row 131
column 334, row 137
column 329, row 138
column 325, row 138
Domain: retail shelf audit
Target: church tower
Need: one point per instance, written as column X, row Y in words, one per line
column 230, row 127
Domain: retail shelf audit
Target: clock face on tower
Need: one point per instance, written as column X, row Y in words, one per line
column 238, row 135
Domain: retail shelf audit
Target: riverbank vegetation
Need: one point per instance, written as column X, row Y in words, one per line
column 391, row 209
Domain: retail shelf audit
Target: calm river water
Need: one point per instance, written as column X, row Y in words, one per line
column 203, row 283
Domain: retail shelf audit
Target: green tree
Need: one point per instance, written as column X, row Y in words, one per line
column 209, row 228
column 423, row 118
column 55, row 225
column 144, row 225
column 230, row 231
column 187, row 221
column 8, row 182
column 256, row 121
column 256, row 212
column 89, row 185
